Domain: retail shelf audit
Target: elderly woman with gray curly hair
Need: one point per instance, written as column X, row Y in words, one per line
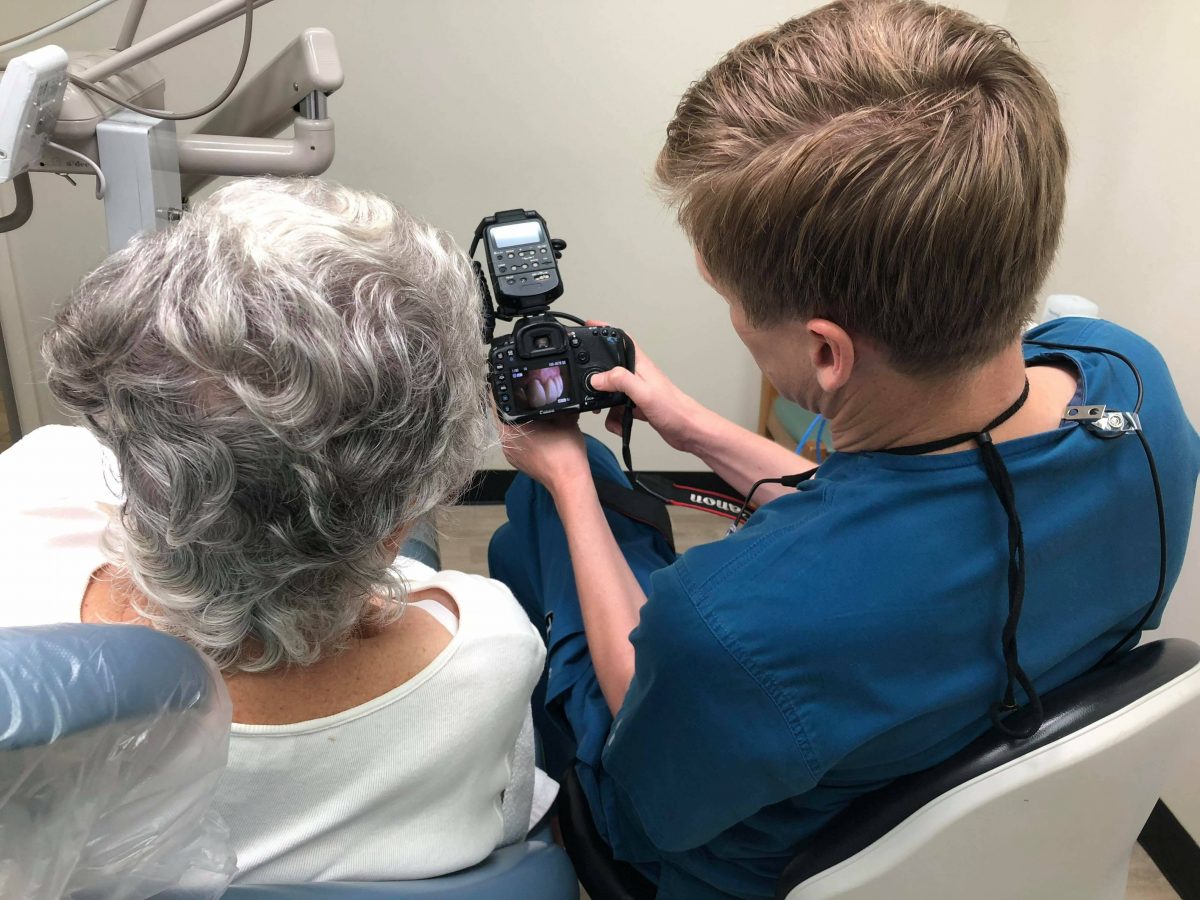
column 273, row 392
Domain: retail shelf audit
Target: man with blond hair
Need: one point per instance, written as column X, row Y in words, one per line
column 876, row 189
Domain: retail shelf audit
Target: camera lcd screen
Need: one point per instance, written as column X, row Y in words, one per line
column 516, row 234
column 545, row 386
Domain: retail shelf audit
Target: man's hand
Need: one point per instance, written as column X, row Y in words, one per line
column 550, row 451
column 668, row 410
column 738, row 455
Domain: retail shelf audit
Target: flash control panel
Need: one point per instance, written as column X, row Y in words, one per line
column 528, row 264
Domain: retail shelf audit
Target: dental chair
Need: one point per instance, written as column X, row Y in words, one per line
column 1055, row 816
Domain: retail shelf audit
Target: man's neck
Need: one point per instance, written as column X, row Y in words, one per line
column 886, row 409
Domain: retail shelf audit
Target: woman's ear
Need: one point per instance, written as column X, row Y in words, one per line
column 394, row 541
column 831, row 352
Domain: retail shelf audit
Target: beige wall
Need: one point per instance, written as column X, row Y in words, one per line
column 456, row 108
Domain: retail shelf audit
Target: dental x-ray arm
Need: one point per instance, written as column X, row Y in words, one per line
column 237, row 139
column 293, row 87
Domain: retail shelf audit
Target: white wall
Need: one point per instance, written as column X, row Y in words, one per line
column 1128, row 78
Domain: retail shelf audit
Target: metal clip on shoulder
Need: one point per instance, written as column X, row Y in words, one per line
column 1107, row 423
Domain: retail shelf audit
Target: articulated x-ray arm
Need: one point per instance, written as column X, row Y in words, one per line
column 302, row 75
column 237, row 138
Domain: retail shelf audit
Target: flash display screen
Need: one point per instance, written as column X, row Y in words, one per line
column 541, row 387
column 517, row 234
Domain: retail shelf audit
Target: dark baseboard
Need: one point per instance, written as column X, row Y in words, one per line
column 490, row 485
column 1173, row 850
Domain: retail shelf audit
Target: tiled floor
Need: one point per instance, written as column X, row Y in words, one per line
column 465, row 531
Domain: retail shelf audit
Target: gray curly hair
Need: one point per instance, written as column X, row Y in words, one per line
column 287, row 378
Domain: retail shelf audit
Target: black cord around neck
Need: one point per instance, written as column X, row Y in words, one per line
column 1001, row 482
column 954, row 440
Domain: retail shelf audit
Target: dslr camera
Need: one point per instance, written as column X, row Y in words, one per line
column 543, row 366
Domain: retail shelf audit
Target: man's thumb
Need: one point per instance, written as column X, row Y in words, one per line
column 618, row 379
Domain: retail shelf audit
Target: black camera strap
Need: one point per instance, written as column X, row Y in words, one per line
column 633, row 504
column 1001, row 482
column 670, row 492
column 648, row 499
column 666, row 491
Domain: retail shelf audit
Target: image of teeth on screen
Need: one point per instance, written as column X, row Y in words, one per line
column 538, row 388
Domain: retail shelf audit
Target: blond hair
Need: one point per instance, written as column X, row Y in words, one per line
column 896, row 167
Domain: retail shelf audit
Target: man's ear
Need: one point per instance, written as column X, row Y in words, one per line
column 831, row 353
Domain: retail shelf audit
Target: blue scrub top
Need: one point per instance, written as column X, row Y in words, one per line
column 850, row 633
